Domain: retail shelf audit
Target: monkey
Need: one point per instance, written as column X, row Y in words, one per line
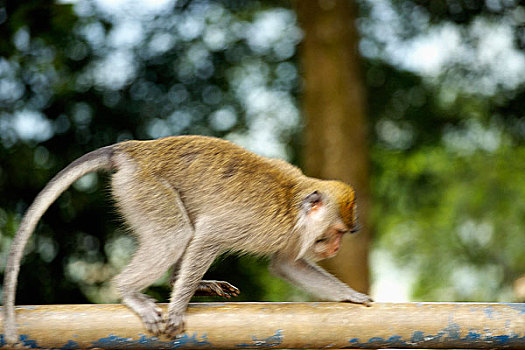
column 188, row 199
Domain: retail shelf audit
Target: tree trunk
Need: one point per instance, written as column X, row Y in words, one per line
column 336, row 132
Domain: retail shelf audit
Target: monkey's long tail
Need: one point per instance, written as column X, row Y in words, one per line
column 99, row 159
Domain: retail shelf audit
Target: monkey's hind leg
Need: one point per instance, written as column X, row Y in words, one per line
column 147, row 265
column 209, row 288
column 156, row 215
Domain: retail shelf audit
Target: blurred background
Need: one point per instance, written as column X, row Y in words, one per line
column 419, row 104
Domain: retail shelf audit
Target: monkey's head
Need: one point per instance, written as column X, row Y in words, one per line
column 327, row 213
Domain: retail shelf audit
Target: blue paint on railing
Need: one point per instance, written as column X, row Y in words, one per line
column 270, row 342
column 154, row 342
column 473, row 336
column 194, row 340
column 453, row 330
column 520, row 307
column 502, row 339
column 420, row 339
column 417, row 337
column 70, row 345
column 29, row 343
column 489, row 311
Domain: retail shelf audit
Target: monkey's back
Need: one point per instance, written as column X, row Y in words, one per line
column 211, row 175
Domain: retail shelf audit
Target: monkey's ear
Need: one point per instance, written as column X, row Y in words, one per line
column 313, row 210
column 313, row 203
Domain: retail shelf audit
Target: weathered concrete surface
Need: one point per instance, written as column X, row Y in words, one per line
column 281, row 325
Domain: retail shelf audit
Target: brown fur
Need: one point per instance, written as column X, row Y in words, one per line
column 189, row 198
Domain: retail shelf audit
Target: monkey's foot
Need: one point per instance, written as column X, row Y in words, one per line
column 359, row 298
column 217, row 288
column 144, row 306
column 174, row 325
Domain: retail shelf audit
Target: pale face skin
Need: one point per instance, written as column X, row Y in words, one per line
column 329, row 243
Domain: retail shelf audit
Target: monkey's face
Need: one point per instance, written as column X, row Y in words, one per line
column 326, row 215
column 329, row 243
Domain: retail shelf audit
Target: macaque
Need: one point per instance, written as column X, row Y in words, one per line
column 190, row 198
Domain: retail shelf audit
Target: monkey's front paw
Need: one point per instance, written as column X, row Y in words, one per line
column 217, row 288
column 174, row 325
column 359, row 298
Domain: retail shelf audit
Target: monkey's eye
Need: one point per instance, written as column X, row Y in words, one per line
column 355, row 228
column 343, row 231
column 321, row 240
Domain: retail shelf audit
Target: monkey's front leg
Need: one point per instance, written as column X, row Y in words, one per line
column 315, row 280
column 195, row 262
column 217, row 288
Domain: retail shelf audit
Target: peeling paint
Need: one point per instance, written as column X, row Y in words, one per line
column 473, row 336
column 153, row 342
column 264, row 326
column 354, row 341
column 450, row 335
column 417, row 337
column 28, row 342
column 453, row 330
column 192, row 340
column 71, row 345
column 270, row 342
column 518, row 307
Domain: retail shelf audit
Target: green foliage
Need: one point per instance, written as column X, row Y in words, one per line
column 455, row 219
column 77, row 77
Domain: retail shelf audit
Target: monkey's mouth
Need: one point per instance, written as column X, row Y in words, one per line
column 330, row 254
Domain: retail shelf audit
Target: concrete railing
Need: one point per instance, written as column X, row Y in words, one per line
column 281, row 325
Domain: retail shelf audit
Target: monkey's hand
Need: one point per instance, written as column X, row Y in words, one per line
column 359, row 298
column 217, row 288
column 174, row 324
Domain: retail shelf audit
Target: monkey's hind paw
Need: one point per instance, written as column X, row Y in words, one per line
column 145, row 307
column 217, row 288
column 154, row 323
column 174, row 325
